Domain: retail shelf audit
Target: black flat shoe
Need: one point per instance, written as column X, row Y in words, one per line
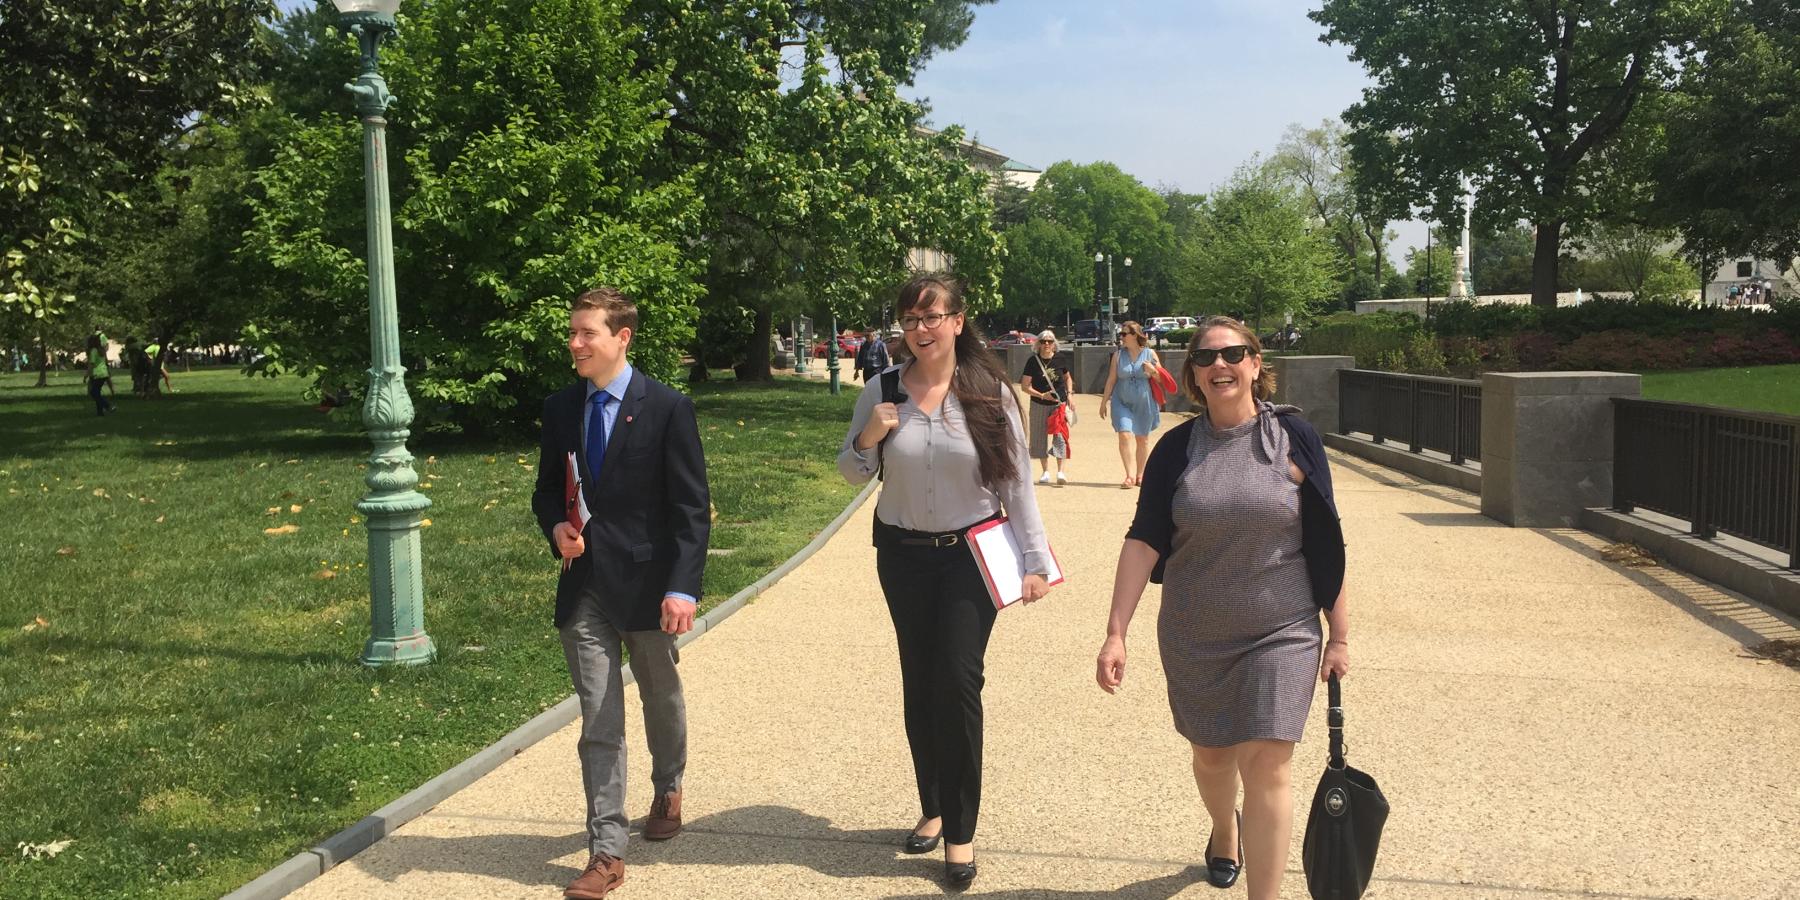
column 918, row 843
column 1222, row 872
column 959, row 874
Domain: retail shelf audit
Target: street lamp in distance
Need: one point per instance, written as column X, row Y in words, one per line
column 393, row 509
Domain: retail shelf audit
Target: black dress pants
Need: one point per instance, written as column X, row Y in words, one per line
column 942, row 618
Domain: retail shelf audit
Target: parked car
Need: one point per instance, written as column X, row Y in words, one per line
column 1161, row 325
column 1012, row 339
column 1091, row 331
column 847, row 346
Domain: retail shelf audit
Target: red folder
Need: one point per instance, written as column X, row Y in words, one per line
column 1002, row 564
column 575, row 510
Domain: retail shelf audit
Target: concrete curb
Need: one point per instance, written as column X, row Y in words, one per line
column 307, row 865
column 1400, row 459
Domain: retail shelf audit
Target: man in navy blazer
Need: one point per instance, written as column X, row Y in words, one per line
column 633, row 579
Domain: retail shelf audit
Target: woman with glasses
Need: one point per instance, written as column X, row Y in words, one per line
column 950, row 450
column 1238, row 523
column 1127, row 398
column 1049, row 385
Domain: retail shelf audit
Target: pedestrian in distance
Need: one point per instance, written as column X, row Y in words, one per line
column 872, row 357
column 1049, row 385
column 951, row 453
column 1127, row 398
column 98, row 376
column 632, row 576
column 1237, row 521
column 155, row 356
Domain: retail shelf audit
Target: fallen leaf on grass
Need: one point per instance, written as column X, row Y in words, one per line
column 295, row 507
column 289, row 528
column 44, row 851
column 35, row 624
column 290, row 462
column 424, row 523
column 271, row 510
column 101, row 492
column 159, row 519
column 65, row 551
column 323, row 575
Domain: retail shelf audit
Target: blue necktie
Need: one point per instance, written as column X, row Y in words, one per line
column 596, row 434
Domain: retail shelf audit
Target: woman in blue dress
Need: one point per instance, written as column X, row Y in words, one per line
column 1127, row 399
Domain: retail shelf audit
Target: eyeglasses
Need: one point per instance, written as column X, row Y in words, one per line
column 929, row 320
column 1204, row 357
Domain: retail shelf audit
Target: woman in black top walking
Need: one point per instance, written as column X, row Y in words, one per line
column 1049, row 385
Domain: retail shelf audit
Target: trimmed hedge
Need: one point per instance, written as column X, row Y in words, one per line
column 1602, row 314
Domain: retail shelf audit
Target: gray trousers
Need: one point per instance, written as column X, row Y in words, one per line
column 592, row 646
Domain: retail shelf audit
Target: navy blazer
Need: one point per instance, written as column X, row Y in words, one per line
column 1321, row 534
column 649, row 507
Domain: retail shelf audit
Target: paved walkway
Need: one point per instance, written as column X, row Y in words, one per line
column 1546, row 725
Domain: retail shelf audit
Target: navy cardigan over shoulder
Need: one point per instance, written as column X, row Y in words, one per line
column 1321, row 535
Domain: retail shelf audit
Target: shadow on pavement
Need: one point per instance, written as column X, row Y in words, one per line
column 1149, row 889
column 522, row 858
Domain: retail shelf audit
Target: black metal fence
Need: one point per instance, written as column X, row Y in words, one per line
column 1721, row 470
column 1427, row 413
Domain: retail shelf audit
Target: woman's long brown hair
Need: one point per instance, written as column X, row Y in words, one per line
column 978, row 380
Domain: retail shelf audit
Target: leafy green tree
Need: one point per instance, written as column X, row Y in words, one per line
column 1429, row 270
column 1111, row 212
column 1258, row 254
column 95, row 91
column 519, row 146
column 1732, row 129
column 1502, row 259
column 814, row 180
column 1047, row 270
column 1529, row 97
column 1637, row 261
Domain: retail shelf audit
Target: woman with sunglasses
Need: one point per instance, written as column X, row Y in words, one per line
column 1127, row 397
column 1238, row 523
column 951, row 454
column 1049, row 385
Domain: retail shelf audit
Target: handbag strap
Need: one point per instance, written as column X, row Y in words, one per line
column 1334, row 721
column 1045, row 371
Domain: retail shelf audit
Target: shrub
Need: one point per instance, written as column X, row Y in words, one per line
column 1179, row 337
column 1365, row 337
column 1465, row 319
column 1423, row 356
column 1625, row 351
column 1534, row 350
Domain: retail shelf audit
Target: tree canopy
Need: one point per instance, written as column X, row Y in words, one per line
column 1531, row 99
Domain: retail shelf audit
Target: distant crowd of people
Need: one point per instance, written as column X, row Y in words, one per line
column 1755, row 293
column 147, row 363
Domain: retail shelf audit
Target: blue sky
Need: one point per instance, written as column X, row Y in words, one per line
column 1176, row 92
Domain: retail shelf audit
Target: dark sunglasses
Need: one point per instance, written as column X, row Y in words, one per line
column 1204, row 357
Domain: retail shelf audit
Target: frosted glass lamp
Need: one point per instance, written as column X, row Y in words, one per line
column 379, row 7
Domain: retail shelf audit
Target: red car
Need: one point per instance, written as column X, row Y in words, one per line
column 847, row 346
column 1012, row 338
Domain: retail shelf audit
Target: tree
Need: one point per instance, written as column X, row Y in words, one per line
column 1634, row 260
column 1111, row 212
column 1047, row 270
column 520, row 149
column 1732, row 130
column 1256, row 253
column 1316, row 163
column 814, row 180
column 1525, row 97
column 95, row 91
column 1502, row 259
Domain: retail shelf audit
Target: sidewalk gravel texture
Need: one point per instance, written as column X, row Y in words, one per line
column 1545, row 724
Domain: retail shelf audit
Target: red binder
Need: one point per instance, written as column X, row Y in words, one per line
column 575, row 509
column 1002, row 564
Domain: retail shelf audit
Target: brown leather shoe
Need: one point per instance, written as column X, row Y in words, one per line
column 664, row 821
column 603, row 873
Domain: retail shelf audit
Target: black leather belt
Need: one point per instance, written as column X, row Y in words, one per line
column 906, row 537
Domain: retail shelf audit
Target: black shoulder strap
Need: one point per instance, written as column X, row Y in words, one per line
column 890, row 393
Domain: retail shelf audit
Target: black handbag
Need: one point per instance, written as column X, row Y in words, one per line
column 1343, row 831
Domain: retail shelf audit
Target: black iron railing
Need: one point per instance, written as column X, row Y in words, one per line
column 1721, row 470
column 1427, row 413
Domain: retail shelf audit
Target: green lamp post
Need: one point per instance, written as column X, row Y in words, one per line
column 392, row 509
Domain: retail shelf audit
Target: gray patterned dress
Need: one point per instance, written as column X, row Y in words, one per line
column 1239, row 630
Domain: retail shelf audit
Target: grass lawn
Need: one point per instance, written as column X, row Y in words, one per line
column 180, row 690
column 1765, row 388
